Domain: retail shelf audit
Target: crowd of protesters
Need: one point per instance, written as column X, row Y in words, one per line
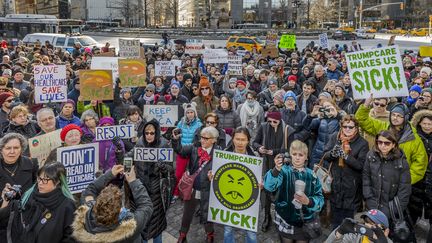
column 299, row 104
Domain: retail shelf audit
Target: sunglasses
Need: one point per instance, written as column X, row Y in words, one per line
column 151, row 91
column 348, row 127
column 272, row 121
column 386, row 143
column 149, row 133
column 379, row 104
column 206, row 88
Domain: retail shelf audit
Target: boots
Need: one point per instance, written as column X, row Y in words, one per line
column 182, row 238
column 267, row 218
column 210, row 237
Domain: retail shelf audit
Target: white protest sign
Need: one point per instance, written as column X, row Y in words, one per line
column 165, row 68
column 121, row 131
column 241, row 53
column 153, row 154
column 194, row 47
column 50, row 83
column 167, row 115
column 41, row 146
column 129, row 48
column 235, row 65
column 323, row 40
column 81, row 163
column 234, row 190
column 377, row 71
column 106, row 63
column 177, row 63
column 215, row 56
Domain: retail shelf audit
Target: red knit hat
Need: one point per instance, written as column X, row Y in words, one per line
column 292, row 78
column 4, row 96
column 68, row 128
column 241, row 82
column 204, row 82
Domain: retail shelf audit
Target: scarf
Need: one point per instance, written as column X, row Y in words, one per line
column 239, row 96
column 248, row 112
column 137, row 123
column 203, row 156
column 345, row 140
column 148, row 99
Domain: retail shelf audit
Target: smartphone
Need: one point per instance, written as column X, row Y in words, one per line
column 363, row 230
column 127, row 163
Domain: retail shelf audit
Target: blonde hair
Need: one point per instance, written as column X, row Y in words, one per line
column 17, row 110
column 298, row 145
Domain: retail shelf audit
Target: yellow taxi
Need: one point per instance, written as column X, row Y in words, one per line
column 346, row 28
column 398, row 31
column 245, row 42
column 420, row 32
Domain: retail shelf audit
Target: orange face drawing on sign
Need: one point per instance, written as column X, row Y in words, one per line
column 96, row 85
column 132, row 72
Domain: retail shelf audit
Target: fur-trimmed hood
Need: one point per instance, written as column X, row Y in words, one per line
column 125, row 230
column 419, row 115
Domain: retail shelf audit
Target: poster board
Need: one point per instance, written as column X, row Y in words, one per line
column 96, row 85
column 50, row 84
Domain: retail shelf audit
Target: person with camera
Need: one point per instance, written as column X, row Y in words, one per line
column 101, row 217
column 45, row 211
column 374, row 229
column 298, row 196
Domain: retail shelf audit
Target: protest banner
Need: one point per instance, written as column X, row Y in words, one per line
column 132, row 72
column 106, row 63
column 50, row 83
column 234, row 190
column 41, row 146
column 105, row 54
column 215, row 56
column 271, row 38
column 96, row 85
column 142, row 154
column 129, row 48
column 194, row 47
column 235, row 66
column 81, row 163
column 287, row 41
column 377, row 71
column 167, row 115
column 270, row 51
column 109, row 132
column 323, row 41
column 164, row 68
column 425, row 51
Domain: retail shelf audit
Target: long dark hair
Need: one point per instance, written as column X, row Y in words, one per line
column 242, row 130
column 395, row 152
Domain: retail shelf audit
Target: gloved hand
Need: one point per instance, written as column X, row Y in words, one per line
column 380, row 237
column 336, row 152
column 347, row 226
column 117, row 143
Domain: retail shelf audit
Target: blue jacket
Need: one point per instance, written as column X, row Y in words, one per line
column 62, row 121
column 188, row 131
column 336, row 74
column 283, row 183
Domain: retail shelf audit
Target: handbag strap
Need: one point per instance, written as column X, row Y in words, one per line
column 286, row 137
column 201, row 167
column 395, row 207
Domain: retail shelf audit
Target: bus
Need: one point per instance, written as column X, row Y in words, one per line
column 19, row 25
column 100, row 24
column 251, row 26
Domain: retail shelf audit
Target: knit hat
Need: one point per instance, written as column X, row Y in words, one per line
column 18, row 70
column 68, row 101
column 427, row 90
column 176, row 83
column 416, row 88
column 4, row 96
column 400, row 108
column 279, row 95
column 204, row 82
column 68, row 128
column 288, row 95
column 7, row 72
column 106, row 120
column 232, row 80
column 427, row 70
column 325, row 94
column 292, row 78
column 242, row 82
column 272, row 82
column 274, row 115
column 187, row 76
column 190, row 107
column 151, row 87
column 377, row 217
column 341, row 86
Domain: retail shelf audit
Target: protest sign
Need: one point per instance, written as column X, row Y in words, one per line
column 287, row 41
column 270, row 51
column 132, row 72
column 96, row 85
column 129, row 48
column 50, row 83
column 81, row 163
column 167, row 115
column 106, row 63
column 105, row 54
column 241, row 53
column 41, row 146
column 164, row 68
column 425, row 51
column 215, row 56
column 378, row 71
column 109, row 132
column 234, row 190
column 323, row 40
column 194, row 47
column 177, row 63
column 271, row 38
column 235, row 65
column 153, row 154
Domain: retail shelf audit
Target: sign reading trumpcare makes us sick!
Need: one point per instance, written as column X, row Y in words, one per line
column 121, row 131
column 153, row 154
column 234, row 190
column 378, row 71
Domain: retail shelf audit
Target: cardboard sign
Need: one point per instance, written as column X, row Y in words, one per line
column 41, row 146
column 271, row 38
column 153, row 154
column 106, row 63
column 215, row 56
column 105, row 54
column 234, row 190
column 287, row 42
column 96, row 85
column 109, row 132
column 425, row 51
column 129, row 48
column 81, row 163
column 270, row 51
column 132, row 72
column 167, row 115
column 164, row 68
column 194, row 47
column 323, row 41
column 235, row 66
column 378, row 71
column 50, row 83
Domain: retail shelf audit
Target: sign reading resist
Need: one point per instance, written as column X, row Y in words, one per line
column 153, row 154
column 109, row 132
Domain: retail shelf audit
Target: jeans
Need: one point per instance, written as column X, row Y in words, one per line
column 250, row 237
column 157, row 239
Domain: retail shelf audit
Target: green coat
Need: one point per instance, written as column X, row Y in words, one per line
column 101, row 109
column 410, row 142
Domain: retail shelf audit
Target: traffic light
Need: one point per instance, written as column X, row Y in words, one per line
column 402, row 6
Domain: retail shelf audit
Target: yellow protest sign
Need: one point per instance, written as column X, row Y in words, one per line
column 132, row 72
column 425, row 51
column 287, row 41
column 96, row 85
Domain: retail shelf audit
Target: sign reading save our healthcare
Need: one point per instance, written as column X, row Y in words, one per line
column 287, row 41
column 81, row 163
column 50, row 83
column 167, row 115
column 153, row 154
column 378, row 71
column 234, row 191
column 109, row 132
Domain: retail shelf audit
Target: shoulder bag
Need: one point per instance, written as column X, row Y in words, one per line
column 186, row 182
column 323, row 175
column 400, row 225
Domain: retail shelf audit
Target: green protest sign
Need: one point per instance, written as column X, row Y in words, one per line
column 377, row 71
column 234, row 191
column 287, row 41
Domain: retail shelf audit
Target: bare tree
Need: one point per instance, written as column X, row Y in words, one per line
column 172, row 11
column 321, row 12
column 127, row 9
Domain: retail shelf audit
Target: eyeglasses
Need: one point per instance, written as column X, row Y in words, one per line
column 379, row 104
column 386, row 143
column 217, row 74
column 150, row 133
column 206, row 138
column 272, row 121
column 210, row 122
column 150, row 91
column 194, row 88
column 43, row 180
column 206, row 88
column 348, row 127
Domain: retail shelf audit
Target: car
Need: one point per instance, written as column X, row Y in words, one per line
column 363, row 34
column 246, row 42
column 63, row 41
column 398, row 31
column 420, row 32
column 344, row 35
column 346, row 28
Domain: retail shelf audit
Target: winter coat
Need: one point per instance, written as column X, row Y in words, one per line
column 29, row 130
column 108, row 155
column 25, row 174
column 348, row 238
column 385, row 179
column 221, row 140
column 294, row 118
column 101, row 109
column 121, row 105
column 228, row 119
column 382, row 117
column 410, row 143
column 346, row 188
column 309, row 102
column 130, row 228
column 251, row 119
column 62, row 121
column 265, row 98
column 319, row 83
column 188, row 93
column 203, row 109
column 188, row 131
column 179, row 101
column 336, row 74
column 347, row 104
